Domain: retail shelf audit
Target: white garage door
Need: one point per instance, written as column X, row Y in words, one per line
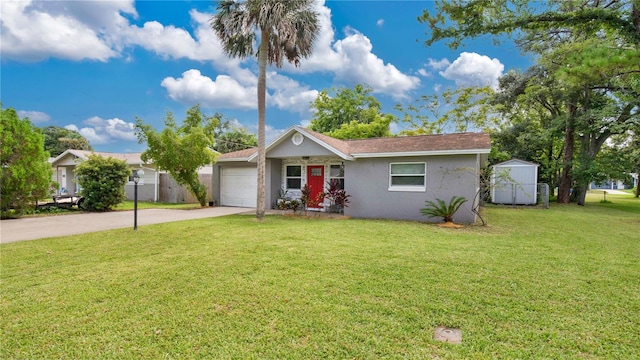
column 238, row 187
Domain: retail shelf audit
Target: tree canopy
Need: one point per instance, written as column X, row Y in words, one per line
column 230, row 137
column 25, row 171
column 181, row 149
column 346, row 113
column 58, row 139
column 589, row 52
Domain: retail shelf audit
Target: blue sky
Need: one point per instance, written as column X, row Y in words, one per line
column 94, row 66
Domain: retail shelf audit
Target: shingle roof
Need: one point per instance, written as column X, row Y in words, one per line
column 421, row 143
column 388, row 146
column 129, row 158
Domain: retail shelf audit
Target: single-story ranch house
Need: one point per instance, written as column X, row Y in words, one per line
column 386, row 177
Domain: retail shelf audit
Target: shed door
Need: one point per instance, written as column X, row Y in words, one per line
column 239, row 187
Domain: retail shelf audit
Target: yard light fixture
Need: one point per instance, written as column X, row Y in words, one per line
column 137, row 175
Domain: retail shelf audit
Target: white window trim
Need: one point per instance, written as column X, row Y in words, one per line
column 301, row 177
column 335, row 177
column 408, row 188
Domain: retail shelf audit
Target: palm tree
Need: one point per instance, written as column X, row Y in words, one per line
column 284, row 29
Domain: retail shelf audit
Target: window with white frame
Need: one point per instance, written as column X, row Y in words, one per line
column 408, row 176
column 294, row 177
column 336, row 172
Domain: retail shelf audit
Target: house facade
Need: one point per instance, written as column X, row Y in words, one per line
column 386, row 177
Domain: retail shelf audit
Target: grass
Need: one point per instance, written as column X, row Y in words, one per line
column 128, row 205
column 557, row 283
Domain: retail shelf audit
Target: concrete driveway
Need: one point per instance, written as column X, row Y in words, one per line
column 62, row 225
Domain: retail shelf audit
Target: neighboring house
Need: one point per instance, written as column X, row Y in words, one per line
column 514, row 182
column 613, row 184
column 155, row 185
column 64, row 173
column 386, row 177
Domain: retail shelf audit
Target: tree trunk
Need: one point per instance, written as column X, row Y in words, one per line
column 262, row 90
column 564, row 187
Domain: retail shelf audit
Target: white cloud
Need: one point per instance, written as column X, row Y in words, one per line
column 34, row 116
column 472, row 69
column 351, row 60
column 77, row 30
column 438, row 64
column 223, row 92
column 380, row 22
column 226, row 92
column 423, row 72
column 99, row 131
column 288, row 94
column 35, row 31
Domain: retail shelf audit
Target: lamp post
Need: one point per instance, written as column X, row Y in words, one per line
column 136, row 179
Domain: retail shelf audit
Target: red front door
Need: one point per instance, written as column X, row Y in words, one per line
column 315, row 180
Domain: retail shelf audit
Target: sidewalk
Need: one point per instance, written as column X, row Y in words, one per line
column 62, row 225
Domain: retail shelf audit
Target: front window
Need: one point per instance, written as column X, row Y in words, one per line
column 336, row 172
column 294, row 177
column 407, row 176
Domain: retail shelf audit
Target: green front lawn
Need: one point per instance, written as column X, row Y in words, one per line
column 557, row 283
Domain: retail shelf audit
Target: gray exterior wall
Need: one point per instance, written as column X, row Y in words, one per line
column 367, row 181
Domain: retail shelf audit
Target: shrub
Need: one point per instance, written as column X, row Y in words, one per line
column 338, row 198
column 102, row 182
column 440, row 208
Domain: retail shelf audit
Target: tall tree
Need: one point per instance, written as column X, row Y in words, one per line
column 533, row 107
column 230, row 137
column 181, row 150
column 58, row 139
column 347, row 113
column 282, row 29
column 589, row 46
column 460, row 110
column 25, row 171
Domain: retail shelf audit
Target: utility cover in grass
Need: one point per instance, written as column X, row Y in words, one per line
column 446, row 334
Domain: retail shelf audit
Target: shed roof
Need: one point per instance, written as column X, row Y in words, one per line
column 516, row 162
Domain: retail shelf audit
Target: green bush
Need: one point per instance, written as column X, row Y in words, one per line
column 440, row 208
column 102, row 182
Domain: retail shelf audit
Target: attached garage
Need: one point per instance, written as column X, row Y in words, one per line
column 238, row 186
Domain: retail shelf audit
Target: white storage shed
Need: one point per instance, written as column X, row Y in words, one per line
column 514, row 182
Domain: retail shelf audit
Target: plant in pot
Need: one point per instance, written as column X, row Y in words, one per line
column 281, row 203
column 440, row 208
